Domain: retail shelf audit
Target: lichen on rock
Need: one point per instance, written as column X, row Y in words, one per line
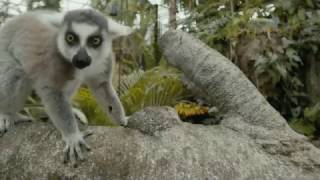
column 153, row 120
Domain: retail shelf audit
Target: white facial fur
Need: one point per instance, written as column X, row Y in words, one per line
column 99, row 55
column 83, row 31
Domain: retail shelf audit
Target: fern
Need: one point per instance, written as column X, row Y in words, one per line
column 87, row 103
column 157, row 87
column 303, row 127
column 128, row 81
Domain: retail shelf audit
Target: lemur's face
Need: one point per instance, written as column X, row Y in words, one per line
column 86, row 37
column 82, row 44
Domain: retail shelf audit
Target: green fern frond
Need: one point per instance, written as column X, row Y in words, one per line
column 128, row 81
column 160, row 86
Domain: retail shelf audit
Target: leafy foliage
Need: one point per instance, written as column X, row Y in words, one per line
column 127, row 81
column 43, row 4
column 189, row 109
column 157, row 87
column 135, row 51
column 274, row 42
column 302, row 126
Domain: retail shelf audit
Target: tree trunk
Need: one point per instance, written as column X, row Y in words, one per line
column 172, row 14
column 156, row 31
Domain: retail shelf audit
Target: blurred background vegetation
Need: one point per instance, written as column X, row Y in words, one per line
column 274, row 42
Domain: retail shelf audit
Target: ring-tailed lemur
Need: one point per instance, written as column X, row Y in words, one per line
column 54, row 54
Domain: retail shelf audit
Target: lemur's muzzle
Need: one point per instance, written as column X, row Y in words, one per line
column 81, row 59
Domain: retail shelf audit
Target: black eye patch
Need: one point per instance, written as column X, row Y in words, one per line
column 95, row 41
column 71, row 38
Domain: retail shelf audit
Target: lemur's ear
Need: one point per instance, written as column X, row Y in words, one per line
column 117, row 30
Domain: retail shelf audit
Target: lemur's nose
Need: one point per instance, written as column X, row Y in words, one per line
column 81, row 59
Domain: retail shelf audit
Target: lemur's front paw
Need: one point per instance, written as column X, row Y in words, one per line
column 126, row 120
column 4, row 124
column 123, row 121
column 7, row 121
column 75, row 144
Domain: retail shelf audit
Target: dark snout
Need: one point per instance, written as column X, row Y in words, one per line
column 81, row 59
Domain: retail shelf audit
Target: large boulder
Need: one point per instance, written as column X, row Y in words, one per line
column 164, row 149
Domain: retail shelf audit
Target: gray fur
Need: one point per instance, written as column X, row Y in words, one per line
column 88, row 16
column 34, row 55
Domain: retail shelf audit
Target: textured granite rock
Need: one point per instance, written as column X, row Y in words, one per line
column 163, row 149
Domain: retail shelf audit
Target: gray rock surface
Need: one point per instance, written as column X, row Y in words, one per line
column 252, row 142
column 178, row 151
column 225, row 85
column 145, row 122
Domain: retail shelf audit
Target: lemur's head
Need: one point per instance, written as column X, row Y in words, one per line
column 86, row 37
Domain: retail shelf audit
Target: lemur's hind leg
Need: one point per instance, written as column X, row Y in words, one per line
column 14, row 89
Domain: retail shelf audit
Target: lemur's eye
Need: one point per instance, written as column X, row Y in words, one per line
column 71, row 38
column 95, row 41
